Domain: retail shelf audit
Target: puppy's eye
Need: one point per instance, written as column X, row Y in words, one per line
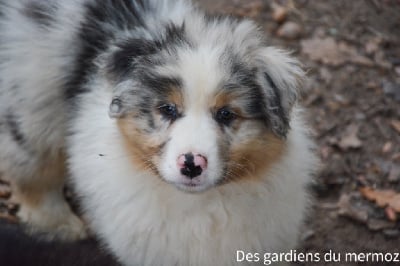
column 169, row 111
column 225, row 116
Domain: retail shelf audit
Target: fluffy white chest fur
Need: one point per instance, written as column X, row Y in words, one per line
column 179, row 131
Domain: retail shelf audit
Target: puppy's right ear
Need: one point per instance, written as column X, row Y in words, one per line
column 116, row 108
column 119, row 67
column 123, row 100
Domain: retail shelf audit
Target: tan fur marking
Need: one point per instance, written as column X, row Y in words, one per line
column 175, row 97
column 222, row 99
column 254, row 157
column 49, row 177
column 141, row 148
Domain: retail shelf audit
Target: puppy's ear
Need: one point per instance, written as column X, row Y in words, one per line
column 119, row 66
column 123, row 100
column 280, row 76
column 116, row 109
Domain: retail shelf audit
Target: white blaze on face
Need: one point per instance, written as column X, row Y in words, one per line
column 196, row 132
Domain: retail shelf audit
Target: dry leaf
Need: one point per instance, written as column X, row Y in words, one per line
column 279, row 13
column 383, row 198
column 328, row 51
column 396, row 125
column 323, row 50
column 371, row 46
column 348, row 210
column 351, row 54
column 380, row 60
column 387, row 147
column 350, row 139
column 289, row 30
column 390, row 214
column 251, row 9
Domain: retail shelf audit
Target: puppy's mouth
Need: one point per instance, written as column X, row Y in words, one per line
column 192, row 186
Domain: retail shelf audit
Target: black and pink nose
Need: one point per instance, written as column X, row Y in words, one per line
column 192, row 165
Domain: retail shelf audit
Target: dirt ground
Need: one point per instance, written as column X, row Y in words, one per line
column 351, row 51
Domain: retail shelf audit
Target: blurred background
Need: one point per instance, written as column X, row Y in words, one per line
column 351, row 50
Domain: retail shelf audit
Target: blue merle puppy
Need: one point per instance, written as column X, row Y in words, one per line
column 179, row 131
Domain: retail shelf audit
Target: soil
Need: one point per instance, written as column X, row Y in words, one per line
column 351, row 51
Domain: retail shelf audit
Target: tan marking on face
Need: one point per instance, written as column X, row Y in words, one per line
column 226, row 99
column 143, row 150
column 222, row 99
column 175, row 97
column 252, row 158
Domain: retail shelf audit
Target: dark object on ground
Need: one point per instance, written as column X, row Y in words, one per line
column 19, row 249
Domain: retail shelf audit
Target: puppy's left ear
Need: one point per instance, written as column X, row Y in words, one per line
column 281, row 77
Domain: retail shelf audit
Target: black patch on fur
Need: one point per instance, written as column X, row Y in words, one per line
column 276, row 98
column 263, row 103
column 40, row 12
column 246, row 79
column 18, row 249
column 1, row 9
column 135, row 52
column 275, row 106
column 161, row 85
column 125, row 60
column 103, row 19
column 15, row 129
column 174, row 36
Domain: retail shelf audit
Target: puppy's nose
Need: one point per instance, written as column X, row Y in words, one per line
column 192, row 165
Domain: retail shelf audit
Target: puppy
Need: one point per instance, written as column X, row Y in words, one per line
column 180, row 131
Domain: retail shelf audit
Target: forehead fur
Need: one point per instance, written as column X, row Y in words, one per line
column 216, row 58
column 208, row 55
column 227, row 33
column 195, row 38
column 203, row 52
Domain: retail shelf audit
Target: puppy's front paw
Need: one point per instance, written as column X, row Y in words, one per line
column 52, row 220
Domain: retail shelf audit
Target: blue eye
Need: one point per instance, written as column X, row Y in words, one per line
column 225, row 116
column 169, row 111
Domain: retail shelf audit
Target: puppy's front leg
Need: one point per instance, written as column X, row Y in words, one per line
column 42, row 205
